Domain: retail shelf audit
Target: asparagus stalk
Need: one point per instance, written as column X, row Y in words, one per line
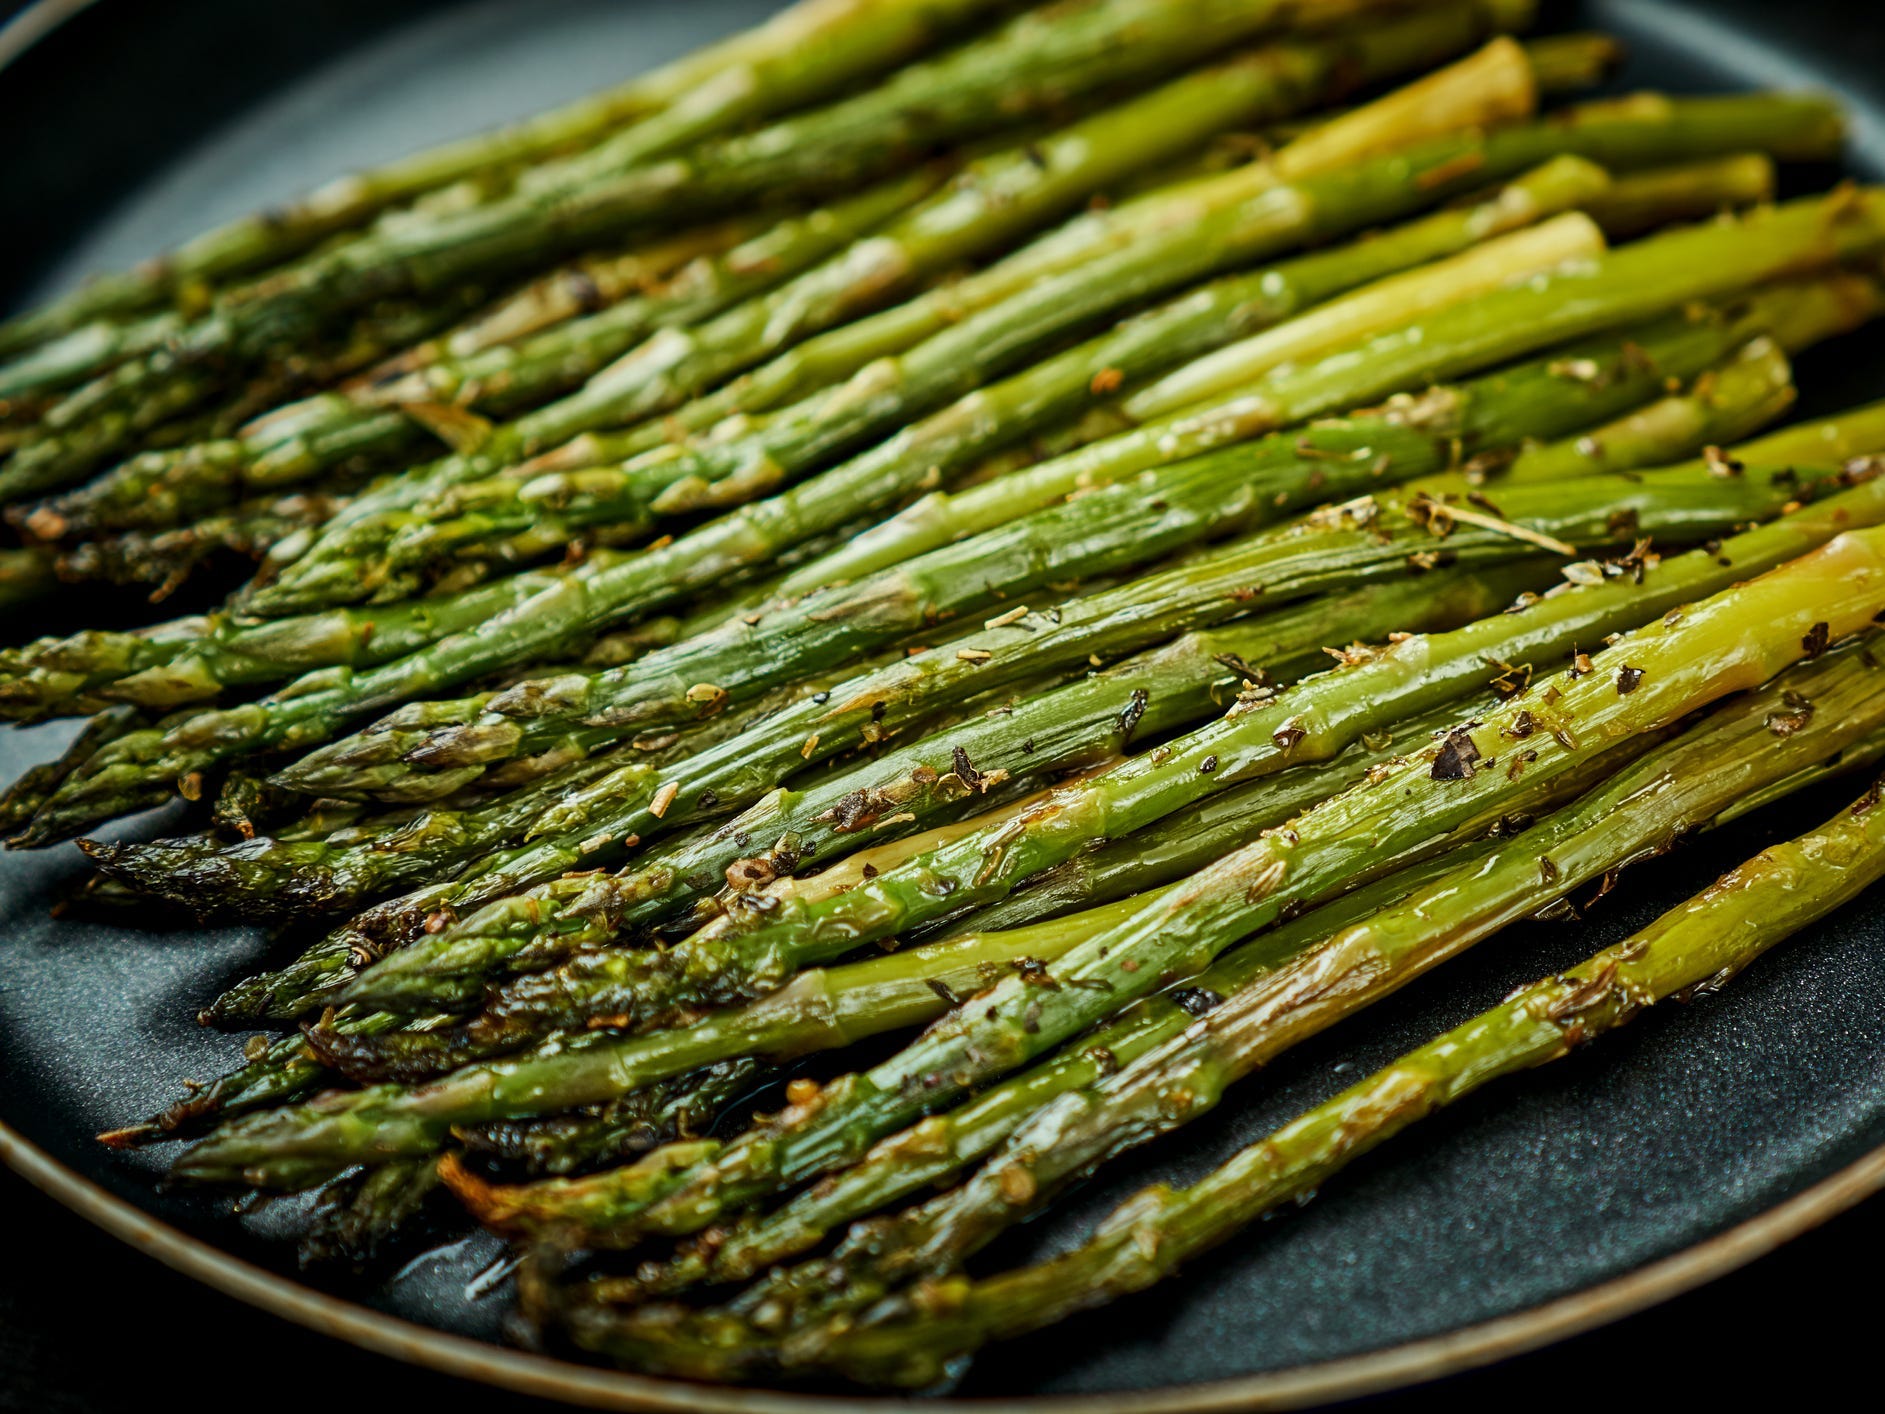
column 1081, row 726
column 673, row 368
column 1387, row 304
column 188, row 389
column 918, row 1336
column 624, row 1128
column 1725, row 405
column 1343, row 842
column 166, row 559
column 1459, row 336
column 1643, row 812
column 1255, row 1002
column 519, row 519
column 1266, row 294
column 196, row 659
column 1635, row 204
column 997, row 198
column 1190, row 597
column 315, row 436
column 1033, row 63
column 583, row 286
column 1208, row 495
column 1217, row 491
column 824, row 360
column 1738, row 638
column 1156, row 340
column 274, row 1073
column 1493, row 84
column 1798, row 315
column 813, row 47
column 1565, row 63
column 35, row 786
column 1346, row 549
column 642, row 987
column 563, row 912
column 895, row 994
column 848, row 1002
column 56, row 366
column 292, row 878
column 357, row 1217
column 1183, row 843
column 934, row 1150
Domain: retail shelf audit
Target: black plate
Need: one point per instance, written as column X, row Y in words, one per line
column 1583, row 1181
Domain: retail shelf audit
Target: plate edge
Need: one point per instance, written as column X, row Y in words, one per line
column 522, row 1372
column 540, row 1376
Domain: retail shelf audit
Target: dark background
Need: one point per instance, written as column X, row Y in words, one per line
column 89, row 1326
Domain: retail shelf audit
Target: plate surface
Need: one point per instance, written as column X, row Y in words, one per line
column 1558, row 1187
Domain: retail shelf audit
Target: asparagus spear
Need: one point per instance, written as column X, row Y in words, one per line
column 996, row 198
column 285, row 1072
column 1635, row 204
column 587, row 285
column 1724, row 405
column 1208, row 495
column 872, row 996
column 632, row 1125
column 1677, row 789
column 1565, row 63
column 315, row 436
column 1341, row 843
column 56, row 366
column 641, row 987
column 1653, row 274
column 35, row 786
column 583, row 286
column 918, row 1336
column 1035, row 62
column 1271, row 292
column 521, row 519
column 1188, row 840
column 357, row 1217
column 813, row 47
column 1080, row 726
column 674, row 367
column 773, row 387
column 1493, row 84
column 166, row 559
column 936, row 1149
column 292, row 878
column 1196, row 594
column 1738, row 638
column 1347, row 548
column 1222, row 490
column 1798, row 315
column 562, row 912
column 851, row 1001
column 190, row 384
column 1255, row 1002
column 195, row 659
column 950, row 438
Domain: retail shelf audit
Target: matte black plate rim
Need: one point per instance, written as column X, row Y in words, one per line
column 544, row 1377
column 541, row 1376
